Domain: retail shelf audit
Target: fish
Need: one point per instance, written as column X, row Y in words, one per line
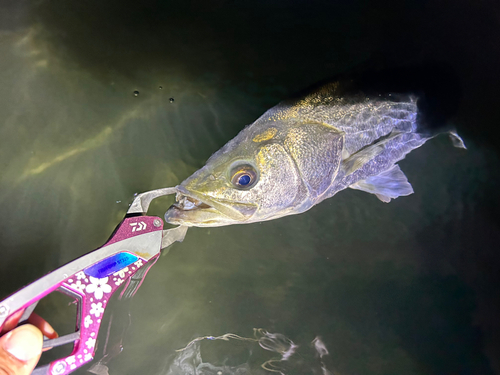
column 307, row 149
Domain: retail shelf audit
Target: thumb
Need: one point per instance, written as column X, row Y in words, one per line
column 20, row 350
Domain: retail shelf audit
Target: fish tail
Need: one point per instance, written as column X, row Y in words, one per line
column 431, row 127
column 456, row 140
column 438, row 100
column 435, row 86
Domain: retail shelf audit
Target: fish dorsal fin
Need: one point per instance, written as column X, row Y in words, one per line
column 387, row 185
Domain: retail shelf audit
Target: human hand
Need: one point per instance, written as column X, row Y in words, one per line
column 21, row 348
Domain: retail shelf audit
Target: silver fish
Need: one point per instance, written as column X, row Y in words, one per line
column 302, row 152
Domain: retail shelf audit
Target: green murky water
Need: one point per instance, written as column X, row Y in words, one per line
column 399, row 288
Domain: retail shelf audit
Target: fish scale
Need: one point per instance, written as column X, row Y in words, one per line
column 305, row 150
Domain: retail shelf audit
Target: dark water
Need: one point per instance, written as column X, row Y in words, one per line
column 409, row 287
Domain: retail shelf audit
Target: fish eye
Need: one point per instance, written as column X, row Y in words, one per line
column 243, row 176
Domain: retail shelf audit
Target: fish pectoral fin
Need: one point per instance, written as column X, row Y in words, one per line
column 387, row 185
column 360, row 158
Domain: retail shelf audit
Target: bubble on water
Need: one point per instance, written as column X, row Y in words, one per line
column 189, row 359
column 320, row 347
column 136, row 93
column 276, row 342
column 190, row 362
column 171, row 100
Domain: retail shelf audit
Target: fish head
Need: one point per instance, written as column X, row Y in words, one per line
column 252, row 178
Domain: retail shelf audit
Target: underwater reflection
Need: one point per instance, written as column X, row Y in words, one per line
column 189, row 360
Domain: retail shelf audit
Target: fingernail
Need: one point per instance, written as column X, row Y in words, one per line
column 24, row 342
column 49, row 331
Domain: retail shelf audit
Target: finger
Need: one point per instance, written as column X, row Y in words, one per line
column 12, row 321
column 20, row 350
column 43, row 326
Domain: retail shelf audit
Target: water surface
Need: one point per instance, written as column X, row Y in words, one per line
column 400, row 288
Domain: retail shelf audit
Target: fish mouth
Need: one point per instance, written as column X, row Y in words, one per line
column 196, row 209
column 187, row 203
